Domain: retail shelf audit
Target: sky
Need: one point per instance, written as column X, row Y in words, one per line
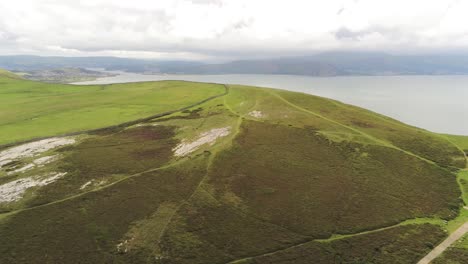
column 229, row 29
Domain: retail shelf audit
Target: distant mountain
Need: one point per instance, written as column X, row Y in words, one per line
column 31, row 63
column 365, row 63
column 323, row 64
column 274, row 66
column 344, row 63
column 65, row 75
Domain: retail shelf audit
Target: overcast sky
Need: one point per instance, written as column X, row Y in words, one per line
column 229, row 29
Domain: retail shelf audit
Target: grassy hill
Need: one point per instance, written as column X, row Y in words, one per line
column 31, row 109
column 217, row 174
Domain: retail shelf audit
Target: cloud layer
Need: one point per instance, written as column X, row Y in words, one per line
column 227, row 29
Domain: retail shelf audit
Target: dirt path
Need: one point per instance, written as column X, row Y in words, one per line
column 445, row 244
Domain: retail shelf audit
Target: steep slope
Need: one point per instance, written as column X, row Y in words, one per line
column 247, row 176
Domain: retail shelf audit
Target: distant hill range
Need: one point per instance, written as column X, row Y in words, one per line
column 64, row 75
column 323, row 64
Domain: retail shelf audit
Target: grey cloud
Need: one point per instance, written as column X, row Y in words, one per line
column 73, row 26
column 345, row 33
column 7, row 36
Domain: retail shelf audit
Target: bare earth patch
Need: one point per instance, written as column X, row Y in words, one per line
column 14, row 190
column 85, row 185
column 32, row 149
column 45, row 160
column 256, row 114
column 36, row 163
column 209, row 137
column 93, row 183
column 22, row 169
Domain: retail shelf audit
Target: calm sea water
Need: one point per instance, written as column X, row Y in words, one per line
column 436, row 103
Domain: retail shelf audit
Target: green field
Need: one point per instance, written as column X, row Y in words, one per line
column 32, row 109
column 266, row 176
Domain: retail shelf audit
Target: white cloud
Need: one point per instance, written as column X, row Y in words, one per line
column 201, row 29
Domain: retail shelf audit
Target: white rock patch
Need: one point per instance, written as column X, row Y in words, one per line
column 45, row 160
column 22, row 169
column 86, row 185
column 122, row 247
column 37, row 162
column 209, row 137
column 256, row 114
column 13, row 191
column 31, row 149
column 143, row 125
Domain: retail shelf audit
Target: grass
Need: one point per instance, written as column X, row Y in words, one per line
column 97, row 222
column 462, row 179
column 348, row 188
column 310, row 180
column 38, row 109
column 461, row 141
column 463, row 182
column 396, row 245
column 453, row 255
column 456, row 254
column 105, row 159
column 419, row 142
column 8, row 74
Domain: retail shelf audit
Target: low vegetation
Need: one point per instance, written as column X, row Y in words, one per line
column 396, row 245
column 385, row 130
column 227, row 175
column 33, row 109
column 348, row 187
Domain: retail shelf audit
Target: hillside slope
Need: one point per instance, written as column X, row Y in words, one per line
column 217, row 174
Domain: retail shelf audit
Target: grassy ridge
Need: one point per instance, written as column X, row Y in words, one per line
column 461, row 141
column 292, row 171
column 349, row 187
column 38, row 109
column 317, row 184
column 388, row 131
